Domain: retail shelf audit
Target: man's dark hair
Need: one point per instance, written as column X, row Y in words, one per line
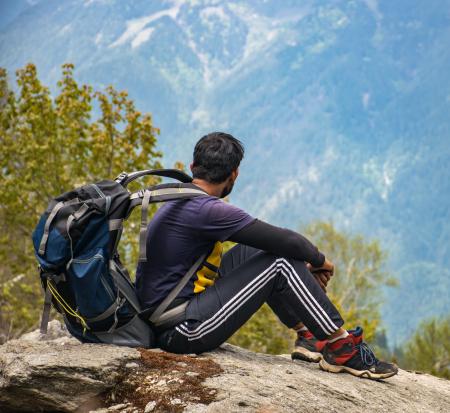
column 216, row 155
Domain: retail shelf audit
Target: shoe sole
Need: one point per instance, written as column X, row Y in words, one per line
column 301, row 353
column 332, row 368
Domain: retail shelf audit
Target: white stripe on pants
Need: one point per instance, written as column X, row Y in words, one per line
column 281, row 266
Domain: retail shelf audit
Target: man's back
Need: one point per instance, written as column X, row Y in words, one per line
column 179, row 233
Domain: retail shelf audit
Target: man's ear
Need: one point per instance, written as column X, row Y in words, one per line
column 191, row 166
column 235, row 174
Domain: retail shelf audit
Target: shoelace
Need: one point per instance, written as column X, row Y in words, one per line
column 367, row 355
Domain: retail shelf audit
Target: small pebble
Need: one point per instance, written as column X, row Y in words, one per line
column 117, row 407
column 175, row 380
column 150, row 406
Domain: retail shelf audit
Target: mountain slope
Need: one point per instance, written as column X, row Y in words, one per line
column 343, row 107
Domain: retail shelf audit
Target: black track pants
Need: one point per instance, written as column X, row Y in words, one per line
column 249, row 278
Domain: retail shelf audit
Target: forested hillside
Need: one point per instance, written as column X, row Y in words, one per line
column 343, row 107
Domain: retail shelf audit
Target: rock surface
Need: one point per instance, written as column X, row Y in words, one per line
column 56, row 373
column 59, row 374
column 265, row 383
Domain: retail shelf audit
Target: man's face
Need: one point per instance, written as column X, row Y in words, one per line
column 229, row 184
column 227, row 189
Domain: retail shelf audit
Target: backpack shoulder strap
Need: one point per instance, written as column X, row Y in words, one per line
column 167, row 192
column 174, row 293
column 159, row 193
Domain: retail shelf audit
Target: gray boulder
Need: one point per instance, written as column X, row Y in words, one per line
column 57, row 373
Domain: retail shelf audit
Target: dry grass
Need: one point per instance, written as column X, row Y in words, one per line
column 170, row 380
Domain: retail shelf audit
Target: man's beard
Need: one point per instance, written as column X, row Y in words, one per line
column 227, row 190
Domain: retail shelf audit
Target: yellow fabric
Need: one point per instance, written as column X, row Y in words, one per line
column 205, row 276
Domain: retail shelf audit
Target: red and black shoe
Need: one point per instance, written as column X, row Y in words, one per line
column 307, row 347
column 352, row 355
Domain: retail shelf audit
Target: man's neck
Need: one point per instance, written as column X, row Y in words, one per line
column 208, row 187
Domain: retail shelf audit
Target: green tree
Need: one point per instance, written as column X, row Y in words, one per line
column 355, row 289
column 428, row 349
column 264, row 333
column 48, row 146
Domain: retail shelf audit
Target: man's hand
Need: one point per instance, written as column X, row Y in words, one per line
column 326, row 266
column 322, row 274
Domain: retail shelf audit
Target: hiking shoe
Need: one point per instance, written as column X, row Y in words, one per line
column 352, row 355
column 307, row 347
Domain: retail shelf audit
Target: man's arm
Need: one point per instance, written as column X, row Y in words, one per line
column 279, row 241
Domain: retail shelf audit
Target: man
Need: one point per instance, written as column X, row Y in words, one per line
column 270, row 264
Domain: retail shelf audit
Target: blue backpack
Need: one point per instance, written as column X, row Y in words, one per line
column 76, row 243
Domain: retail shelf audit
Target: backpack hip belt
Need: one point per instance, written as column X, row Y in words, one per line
column 171, row 318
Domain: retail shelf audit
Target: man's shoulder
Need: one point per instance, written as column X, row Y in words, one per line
column 196, row 206
column 207, row 207
column 212, row 202
column 203, row 201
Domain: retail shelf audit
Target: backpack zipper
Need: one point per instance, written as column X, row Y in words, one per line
column 87, row 260
column 107, row 287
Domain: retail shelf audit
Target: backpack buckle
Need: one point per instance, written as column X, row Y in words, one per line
column 121, row 178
